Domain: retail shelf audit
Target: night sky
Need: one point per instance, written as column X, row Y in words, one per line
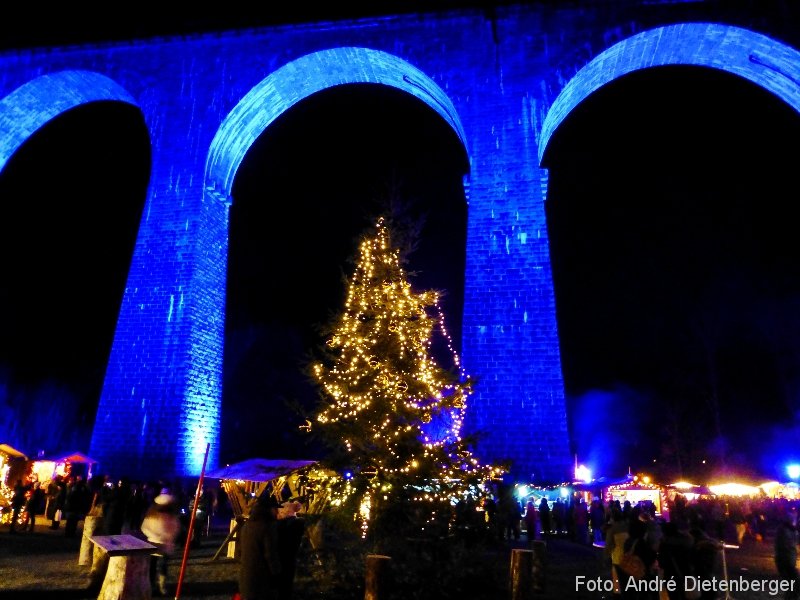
column 675, row 262
column 674, row 252
column 71, row 201
column 307, row 191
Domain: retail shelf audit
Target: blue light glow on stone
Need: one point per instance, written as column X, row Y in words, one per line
column 206, row 99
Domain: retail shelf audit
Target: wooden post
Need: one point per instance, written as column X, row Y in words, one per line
column 234, row 547
column 521, row 574
column 377, row 577
column 90, row 525
column 539, row 565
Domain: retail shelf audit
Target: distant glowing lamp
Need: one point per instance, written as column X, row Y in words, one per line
column 793, row 471
column 683, row 485
column 582, row 473
column 522, row 491
column 733, row 489
column 564, row 492
column 791, row 490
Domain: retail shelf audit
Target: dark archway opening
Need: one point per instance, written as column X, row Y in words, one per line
column 71, row 199
column 307, row 190
column 676, row 273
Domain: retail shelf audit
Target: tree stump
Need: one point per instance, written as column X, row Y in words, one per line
column 539, row 565
column 99, row 568
column 91, row 524
column 127, row 578
column 377, row 577
column 521, row 574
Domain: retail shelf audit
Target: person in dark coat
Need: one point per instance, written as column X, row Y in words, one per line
column 786, row 541
column 705, row 558
column 544, row 517
column 597, row 521
column 18, row 500
column 530, row 518
column 509, row 513
column 58, row 495
column 116, row 507
column 260, row 564
column 290, row 534
column 675, row 554
column 34, row 506
column 76, row 505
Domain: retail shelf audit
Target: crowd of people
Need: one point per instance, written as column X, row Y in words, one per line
column 154, row 511
column 158, row 512
column 685, row 541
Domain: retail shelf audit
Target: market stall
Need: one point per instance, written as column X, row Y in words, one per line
column 75, row 463
column 244, row 482
column 639, row 490
column 690, row 491
column 13, row 465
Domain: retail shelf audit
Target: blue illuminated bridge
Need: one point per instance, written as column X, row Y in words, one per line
column 503, row 82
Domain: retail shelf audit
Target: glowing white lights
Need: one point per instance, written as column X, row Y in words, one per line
column 388, row 404
column 582, row 473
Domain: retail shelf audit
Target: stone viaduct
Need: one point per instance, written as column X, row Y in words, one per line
column 502, row 80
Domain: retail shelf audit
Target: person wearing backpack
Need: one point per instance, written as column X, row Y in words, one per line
column 639, row 562
column 616, row 536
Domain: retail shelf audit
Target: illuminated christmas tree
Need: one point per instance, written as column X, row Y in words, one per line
column 390, row 414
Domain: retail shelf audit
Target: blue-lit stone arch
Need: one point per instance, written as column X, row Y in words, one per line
column 37, row 102
column 300, row 79
column 753, row 56
column 284, row 88
column 510, row 79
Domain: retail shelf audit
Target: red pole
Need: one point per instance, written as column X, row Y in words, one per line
column 191, row 524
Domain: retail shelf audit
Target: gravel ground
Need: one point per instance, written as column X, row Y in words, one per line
column 44, row 564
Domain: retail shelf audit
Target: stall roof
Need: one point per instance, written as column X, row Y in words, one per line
column 691, row 489
column 77, row 457
column 260, row 469
column 600, row 482
column 8, row 450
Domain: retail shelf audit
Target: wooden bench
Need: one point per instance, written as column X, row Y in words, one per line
column 128, row 573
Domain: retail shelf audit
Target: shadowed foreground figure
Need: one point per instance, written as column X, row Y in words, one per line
column 161, row 525
column 260, row 561
column 290, row 535
column 786, row 540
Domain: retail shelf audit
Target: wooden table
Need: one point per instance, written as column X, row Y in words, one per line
column 128, row 574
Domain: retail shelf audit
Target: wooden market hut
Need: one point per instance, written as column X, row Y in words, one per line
column 72, row 463
column 13, row 465
column 246, row 481
column 637, row 490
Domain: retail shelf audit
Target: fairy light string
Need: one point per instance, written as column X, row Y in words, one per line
column 383, row 390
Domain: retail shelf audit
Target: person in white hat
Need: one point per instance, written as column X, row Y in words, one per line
column 161, row 526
